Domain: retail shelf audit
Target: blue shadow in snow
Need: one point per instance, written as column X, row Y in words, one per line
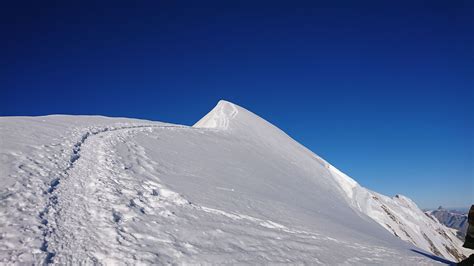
column 433, row 257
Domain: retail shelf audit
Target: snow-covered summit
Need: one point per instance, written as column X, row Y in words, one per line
column 232, row 117
column 399, row 214
column 220, row 116
column 233, row 189
column 245, row 124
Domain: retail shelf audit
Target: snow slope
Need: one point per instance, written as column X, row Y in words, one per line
column 231, row 189
column 399, row 215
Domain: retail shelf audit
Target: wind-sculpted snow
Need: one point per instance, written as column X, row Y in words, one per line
column 233, row 189
column 219, row 117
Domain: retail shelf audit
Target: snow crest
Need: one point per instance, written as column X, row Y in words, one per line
column 219, row 117
column 345, row 182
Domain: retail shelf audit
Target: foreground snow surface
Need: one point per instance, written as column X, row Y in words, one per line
column 231, row 189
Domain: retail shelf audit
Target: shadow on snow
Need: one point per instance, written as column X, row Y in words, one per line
column 433, row 257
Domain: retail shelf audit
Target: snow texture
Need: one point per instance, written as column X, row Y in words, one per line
column 232, row 189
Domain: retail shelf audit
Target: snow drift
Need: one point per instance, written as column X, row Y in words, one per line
column 231, row 189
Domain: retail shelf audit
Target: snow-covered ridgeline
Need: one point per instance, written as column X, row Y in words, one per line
column 399, row 215
column 231, row 189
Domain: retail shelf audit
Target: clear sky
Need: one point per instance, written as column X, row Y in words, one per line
column 381, row 89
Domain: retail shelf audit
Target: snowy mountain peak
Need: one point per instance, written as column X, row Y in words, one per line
column 242, row 122
column 219, row 116
column 234, row 189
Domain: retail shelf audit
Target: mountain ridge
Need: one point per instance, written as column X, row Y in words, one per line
column 232, row 189
column 394, row 214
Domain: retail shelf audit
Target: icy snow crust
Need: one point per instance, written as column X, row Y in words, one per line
column 231, row 189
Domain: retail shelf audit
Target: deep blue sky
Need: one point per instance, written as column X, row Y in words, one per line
column 384, row 91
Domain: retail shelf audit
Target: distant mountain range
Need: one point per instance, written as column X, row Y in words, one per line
column 453, row 218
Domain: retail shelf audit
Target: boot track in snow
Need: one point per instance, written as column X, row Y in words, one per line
column 48, row 228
